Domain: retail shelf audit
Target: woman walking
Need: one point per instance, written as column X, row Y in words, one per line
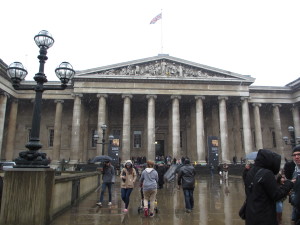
column 128, row 177
column 149, row 179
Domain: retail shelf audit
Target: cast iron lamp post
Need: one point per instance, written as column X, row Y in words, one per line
column 292, row 140
column 96, row 137
column 16, row 71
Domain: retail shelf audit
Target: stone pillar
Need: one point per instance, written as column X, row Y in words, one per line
column 3, row 103
column 151, row 127
column 296, row 120
column 224, row 129
column 57, row 131
column 278, row 132
column 27, row 196
column 101, row 119
column 176, row 126
column 238, row 147
column 257, row 124
column 200, row 129
column 11, row 131
column 76, row 137
column 246, row 126
column 126, row 127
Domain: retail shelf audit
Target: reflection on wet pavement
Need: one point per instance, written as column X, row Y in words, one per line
column 216, row 202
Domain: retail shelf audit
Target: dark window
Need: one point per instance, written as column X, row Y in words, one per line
column 137, row 139
column 50, row 137
column 274, row 139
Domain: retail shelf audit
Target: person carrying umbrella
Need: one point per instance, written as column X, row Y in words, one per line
column 108, row 172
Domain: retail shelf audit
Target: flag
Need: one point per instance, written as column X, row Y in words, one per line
column 155, row 19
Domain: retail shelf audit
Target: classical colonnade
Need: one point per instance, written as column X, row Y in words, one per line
column 175, row 126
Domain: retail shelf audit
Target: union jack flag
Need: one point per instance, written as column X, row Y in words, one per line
column 155, row 19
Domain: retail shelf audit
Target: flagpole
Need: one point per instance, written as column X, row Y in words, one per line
column 161, row 33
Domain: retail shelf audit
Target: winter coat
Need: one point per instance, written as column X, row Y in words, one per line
column 149, row 179
column 108, row 174
column 130, row 178
column 186, row 176
column 262, row 197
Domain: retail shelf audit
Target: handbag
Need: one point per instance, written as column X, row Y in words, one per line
column 242, row 212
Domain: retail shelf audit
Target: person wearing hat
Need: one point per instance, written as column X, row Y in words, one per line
column 148, row 180
column 186, row 178
column 128, row 177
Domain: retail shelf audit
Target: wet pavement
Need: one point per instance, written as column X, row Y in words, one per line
column 216, row 203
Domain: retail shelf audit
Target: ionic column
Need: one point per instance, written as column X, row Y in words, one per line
column 75, row 141
column 223, row 129
column 151, row 127
column 257, row 124
column 278, row 132
column 126, row 127
column 296, row 120
column 237, row 133
column 101, row 118
column 3, row 103
column 176, row 126
column 246, row 126
column 57, row 130
column 200, row 129
column 11, row 131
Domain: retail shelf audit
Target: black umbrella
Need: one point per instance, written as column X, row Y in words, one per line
column 101, row 158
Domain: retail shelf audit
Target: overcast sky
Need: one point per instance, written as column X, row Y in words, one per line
column 260, row 38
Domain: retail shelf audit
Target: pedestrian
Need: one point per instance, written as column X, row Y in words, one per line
column 279, row 204
column 245, row 171
column 212, row 169
column 295, row 195
column 128, row 178
column 161, row 170
column 186, row 178
column 108, row 175
column 225, row 171
column 262, row 191
column 148, row 180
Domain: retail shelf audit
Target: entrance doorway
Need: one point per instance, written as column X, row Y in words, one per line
column 159, row 148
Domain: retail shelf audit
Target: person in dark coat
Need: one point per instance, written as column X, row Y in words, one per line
column 262, row 190
column 161, row 170
column 186, row 178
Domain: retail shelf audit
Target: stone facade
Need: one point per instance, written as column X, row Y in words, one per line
column 164, row 99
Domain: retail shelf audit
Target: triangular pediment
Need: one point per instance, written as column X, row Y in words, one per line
column 164, row 66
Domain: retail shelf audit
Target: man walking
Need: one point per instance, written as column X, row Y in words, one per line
column 186, row 178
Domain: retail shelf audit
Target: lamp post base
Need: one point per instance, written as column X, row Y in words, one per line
column 32, row 159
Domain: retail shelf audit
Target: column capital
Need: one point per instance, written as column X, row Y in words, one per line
column 199, row 97
column 245, row 98
column 151, row 96
column 175, row 96
column 222, row 98
column 256, row 104
column 77, row 95
column 127, row 95
column 5, row 94
column 59, row 101
column 102, row 95
column 276, row 105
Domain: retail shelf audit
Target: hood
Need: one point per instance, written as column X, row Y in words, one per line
column 149, row 170
column 268, row 160
column 128, row 161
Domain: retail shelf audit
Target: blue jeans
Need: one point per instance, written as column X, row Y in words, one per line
column 104, row 185
column 189, row 198
column 125, row 195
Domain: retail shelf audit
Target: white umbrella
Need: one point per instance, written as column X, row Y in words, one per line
column 251, row 156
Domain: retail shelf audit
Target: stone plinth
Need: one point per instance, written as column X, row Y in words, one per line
column 27, row 195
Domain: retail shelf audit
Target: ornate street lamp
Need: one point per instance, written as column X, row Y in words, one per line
column 16, row 71
column 292, row 140
column 96, row 137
